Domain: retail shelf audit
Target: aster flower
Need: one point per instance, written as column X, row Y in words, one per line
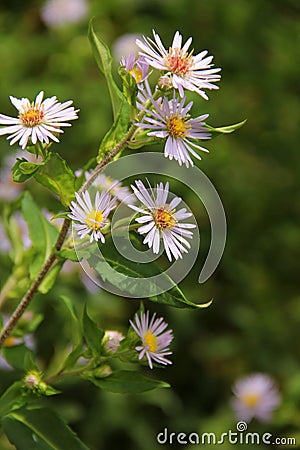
column 112, row 340
column 193, row 73
column 161, row 220
column 155, row 339
column 170, row 120
column 38, row 121
column 256, row 396
column 57, row 13
column 90, row 219
column 114, row 187
column 137, row 67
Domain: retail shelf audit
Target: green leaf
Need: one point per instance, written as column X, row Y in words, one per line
column 55, row 174
column 92, row 334
column 23, row 170
column 17, row 355
column 116, row 132
column 225, row 130
column 13, row 398
column 43, row 235
column 104, row 62
column 127, row 382
column 40, row 429
column 67, row 253
column 50, row 278
column 125, row 275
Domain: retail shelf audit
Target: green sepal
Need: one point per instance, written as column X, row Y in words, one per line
column 130, row 89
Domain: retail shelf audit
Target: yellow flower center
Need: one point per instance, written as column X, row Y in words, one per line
column 178, row 62
column 251, row 400
column 137, row 74
column 150, row 341
column 94, row 220
column 177, row 126
column 164, row 219
column 32, row 117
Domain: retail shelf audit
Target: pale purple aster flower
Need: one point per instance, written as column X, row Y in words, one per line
column 155, row 340
column 256, row 396
column 136, row 66
column 170, row 120
column 37, row 121
column 193, row 73
column 112, row 340
column 57, row 13
column 161, row 220
column 89, row 218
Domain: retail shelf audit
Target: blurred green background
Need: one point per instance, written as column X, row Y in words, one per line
column 253, row 323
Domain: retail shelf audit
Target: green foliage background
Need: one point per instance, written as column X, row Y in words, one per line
column 253, row 324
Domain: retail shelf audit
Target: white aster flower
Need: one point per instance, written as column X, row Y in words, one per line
column 112, row 340
column 155, row 340
column 38, row 121
column 161, row 220
column 193, row 73
column 170, row 120
column 256, row 396
column 90, row 219
column 57, row 13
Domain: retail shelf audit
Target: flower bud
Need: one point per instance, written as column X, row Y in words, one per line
column 111, row 341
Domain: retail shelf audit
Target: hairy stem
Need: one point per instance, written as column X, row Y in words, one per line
column 52, row 258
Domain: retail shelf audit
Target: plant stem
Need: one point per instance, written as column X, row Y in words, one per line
column 24, row 303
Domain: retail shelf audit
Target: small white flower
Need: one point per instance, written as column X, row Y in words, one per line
column 155, row 340
column 170, row 120
column 56, row 13
column 193, row 73
column 161, row 220
column 256, row 396
column 114, row 187
column 38, row 121
column 91, row 219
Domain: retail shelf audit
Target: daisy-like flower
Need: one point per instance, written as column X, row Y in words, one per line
column 40, row 120
column 193, row 73
column 90, row 219
column 256, row 396
column 137, row 67
column 161, row 220
column 170, row 120
column 114, row 187
column 155, row 340
column 112, row 340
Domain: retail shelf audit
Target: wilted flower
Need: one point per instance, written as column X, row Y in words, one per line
column 89, row 218
column 137, row 67
column 162, row 221
column 170, row 120
column 193, row 73
column 38, row 121
column 155, row 340
column 256, row 396
column 56, row 13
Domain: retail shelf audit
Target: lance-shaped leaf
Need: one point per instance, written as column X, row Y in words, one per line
column 133, row 279
column 225, row 130
column 126, row 382
column 40, row 428
column 116, row 132
column 104, row 62
column 92, row 333
column 43, row 234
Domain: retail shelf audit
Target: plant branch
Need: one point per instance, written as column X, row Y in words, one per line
column 24, row 303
